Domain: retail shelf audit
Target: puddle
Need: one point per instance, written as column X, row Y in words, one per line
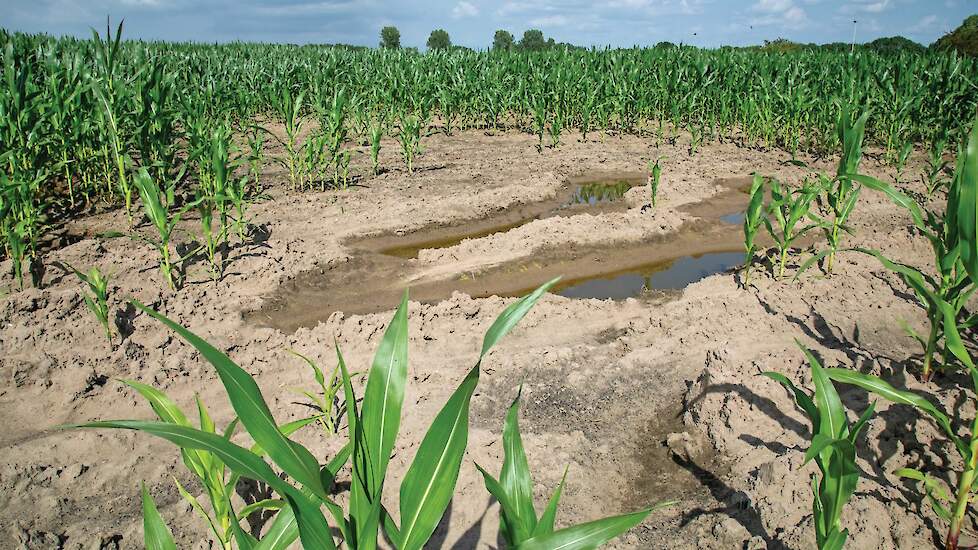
column 735, row 219
column 368, row 281
column 594, row 195
column 672, row 275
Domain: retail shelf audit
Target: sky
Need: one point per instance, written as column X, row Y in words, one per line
column 617, row 23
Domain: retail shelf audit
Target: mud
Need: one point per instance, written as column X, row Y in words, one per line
column 362, row 284
column 642, row 399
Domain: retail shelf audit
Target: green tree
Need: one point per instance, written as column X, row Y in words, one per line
column 390, row 37
column 439, row 40
column 533, row 40
column 502, row 40
column 894, row 44
column 964, row 39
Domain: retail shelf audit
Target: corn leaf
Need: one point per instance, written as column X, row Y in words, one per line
column 156, row 535
column 250, row 406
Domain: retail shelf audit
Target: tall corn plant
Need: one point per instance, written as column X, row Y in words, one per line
column 112, row 93
column 519, row 524
column 427, row 486
column 833, row 448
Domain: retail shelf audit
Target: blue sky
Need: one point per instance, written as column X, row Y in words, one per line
column 472, row 22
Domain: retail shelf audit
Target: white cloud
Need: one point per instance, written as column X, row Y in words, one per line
column 549, row 21
column 773, row 6
column 929, row 23
column 781, row 13
column 866, row 6
column 464, row 9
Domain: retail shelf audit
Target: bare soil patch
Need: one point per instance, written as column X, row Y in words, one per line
column 643, row 399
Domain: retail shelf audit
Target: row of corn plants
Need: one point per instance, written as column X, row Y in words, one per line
column 943, row 292
column 79, row 118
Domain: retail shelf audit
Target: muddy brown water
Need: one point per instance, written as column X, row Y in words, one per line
column 367, row 281
column 580, row 194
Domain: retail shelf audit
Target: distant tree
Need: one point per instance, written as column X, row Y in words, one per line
column 963, row 39
column 781, row 45
column 894, row 44
column 390, row 37
column 663, row 45
column 502, row 40
column 439, row 40
column 533, row 40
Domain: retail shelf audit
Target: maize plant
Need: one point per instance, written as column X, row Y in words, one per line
column 841, row 193
column 163, row 222
column 334, row 131
column 373, row 424
column 951, row 509
column 655, row 173
column 97, row 297
column 519, row 524
column 933, row 176
column 833, row 448
column 788, row 208
column 288, row 106
column 376, row 130
column 409, row 137
column 327, row 403
column 256, row 157
column 951, row 236
column 753, row 217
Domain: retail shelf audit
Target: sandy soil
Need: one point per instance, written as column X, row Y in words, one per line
column 644, row 399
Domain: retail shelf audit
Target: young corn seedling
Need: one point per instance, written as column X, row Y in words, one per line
column 655, row 173
column 833, row 448
column 376, row 131
column 256, row 157
column 900, row 160
column 288, row 106
column 951, row 509
column 328, row 404
column 163, row 222
column 841, row 193
column 556, row 126
column 788, row 208
column 410, row 138
column 933, row 176
column 211, row 238
column 753, row 217
column 519, row 524
column 951, row 236
column 333, row 127
column 427, row 486
column 210, row 469
column 97, row 297
column 540, row 118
